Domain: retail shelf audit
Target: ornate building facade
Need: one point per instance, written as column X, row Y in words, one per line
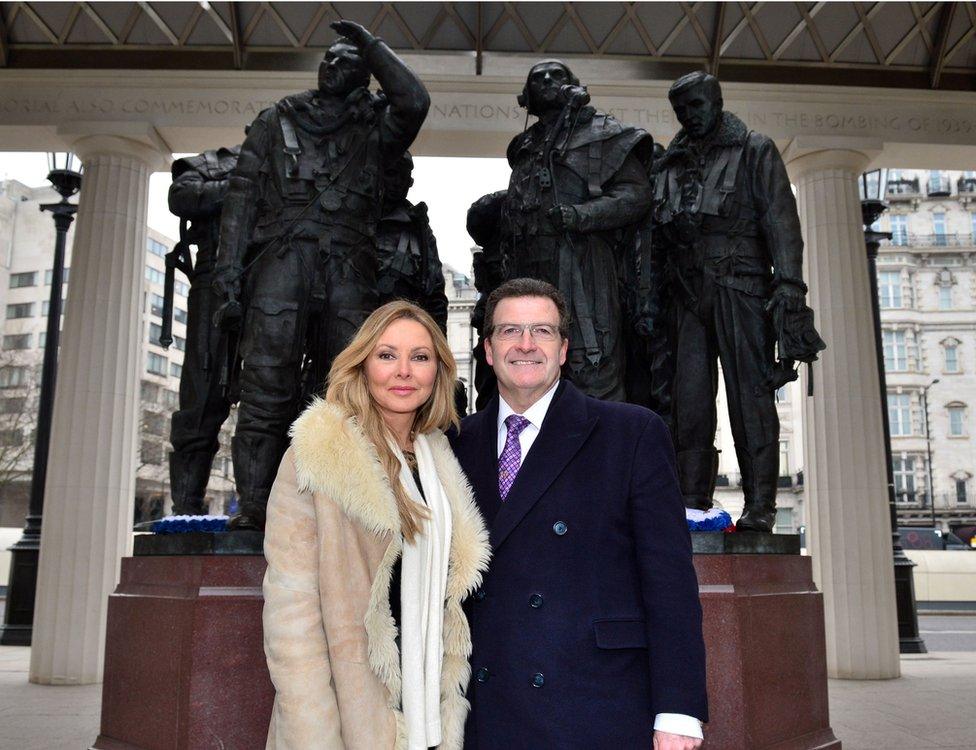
column 927, row 291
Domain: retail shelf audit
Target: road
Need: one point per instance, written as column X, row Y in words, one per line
column 948, row 632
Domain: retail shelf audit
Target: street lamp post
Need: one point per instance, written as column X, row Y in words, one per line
column 928, row 450
column 18, row 621
column 872, row 187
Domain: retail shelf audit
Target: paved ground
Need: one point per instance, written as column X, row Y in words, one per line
column 932, row 706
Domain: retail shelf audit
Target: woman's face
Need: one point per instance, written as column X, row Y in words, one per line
column 401, row 369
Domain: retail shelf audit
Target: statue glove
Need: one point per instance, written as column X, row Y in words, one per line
column 565, row 218
column 354, row 32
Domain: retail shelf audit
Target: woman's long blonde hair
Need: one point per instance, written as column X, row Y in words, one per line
column 349, row 390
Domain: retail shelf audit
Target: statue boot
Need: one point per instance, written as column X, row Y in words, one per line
column 697, row 469
column 759, row 474
column 256, row 460
column 189, row 472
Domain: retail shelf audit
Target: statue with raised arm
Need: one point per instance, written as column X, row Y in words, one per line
column 727, row 224
column 300, row 218
column 578, row 191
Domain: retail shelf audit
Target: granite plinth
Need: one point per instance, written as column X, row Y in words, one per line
column 184, row 658
column 764, row 640
column 199, row 543
column 744, row 543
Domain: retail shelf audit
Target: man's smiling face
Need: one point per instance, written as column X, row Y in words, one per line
column 527, row 366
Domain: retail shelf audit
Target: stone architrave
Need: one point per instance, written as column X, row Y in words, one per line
column 91, row 473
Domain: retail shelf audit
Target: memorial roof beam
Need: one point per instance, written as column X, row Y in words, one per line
column 939, row 54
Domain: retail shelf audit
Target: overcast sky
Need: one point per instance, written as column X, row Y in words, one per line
column 447, row 184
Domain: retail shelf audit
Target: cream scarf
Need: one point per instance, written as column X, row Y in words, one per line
column 423, row 586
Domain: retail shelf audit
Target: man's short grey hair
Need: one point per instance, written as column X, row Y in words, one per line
column 693, row 80
column 527, row 288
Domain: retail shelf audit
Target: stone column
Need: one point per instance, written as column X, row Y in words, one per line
column 844, row 458
column 88, row 502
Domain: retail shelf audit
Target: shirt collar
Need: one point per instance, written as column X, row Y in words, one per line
column 535, row 413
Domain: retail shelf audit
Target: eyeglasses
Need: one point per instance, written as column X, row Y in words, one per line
column 544, row 332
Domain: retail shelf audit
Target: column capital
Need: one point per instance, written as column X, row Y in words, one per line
column 140, row 141
column 808, row 153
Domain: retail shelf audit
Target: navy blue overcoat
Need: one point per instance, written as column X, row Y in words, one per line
column 588, row 623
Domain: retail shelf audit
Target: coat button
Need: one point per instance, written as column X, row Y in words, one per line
column 560, row 528
column 538, row 680
column 482, row 675
column 535, row 601
column 479, row 595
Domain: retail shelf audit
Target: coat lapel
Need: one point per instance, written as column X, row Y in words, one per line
column 486, row 451
column 564, row 430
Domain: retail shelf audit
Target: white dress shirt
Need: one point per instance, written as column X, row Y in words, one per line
column 688, row 726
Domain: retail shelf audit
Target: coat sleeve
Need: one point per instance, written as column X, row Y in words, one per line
column 626, row 199
column 779, row 221
column 306, row 713
column 669, row 586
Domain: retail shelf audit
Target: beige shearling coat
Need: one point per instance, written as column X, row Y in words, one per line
column 332, row 539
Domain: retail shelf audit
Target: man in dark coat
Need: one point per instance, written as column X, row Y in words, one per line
column 577, row 193
column 587, row 629
column 726, row 219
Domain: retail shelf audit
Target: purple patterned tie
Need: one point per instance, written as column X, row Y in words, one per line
column 511, row 456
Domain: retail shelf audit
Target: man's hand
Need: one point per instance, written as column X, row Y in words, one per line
column 668, row 741
column 354, row 32
column 227, row 282
column 564, row 218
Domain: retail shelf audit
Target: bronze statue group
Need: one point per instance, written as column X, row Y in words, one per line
column 524, row 578
column 671, row 261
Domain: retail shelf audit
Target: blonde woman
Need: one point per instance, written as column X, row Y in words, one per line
column 373, row 540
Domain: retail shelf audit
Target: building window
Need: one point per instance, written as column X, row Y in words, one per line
column 149, row 392
column 42, row 339
column 939, row 228
column 153, row 423
column 900, row 414
column 13, row 405
column 46, row 306
column 151, row 452
column 889, row 289
column 957, row 423
column 155, row 331
column 49, row 276
column 180, row 343
column 156, row 364
column 181, row 288
column 175, row 370
column 899, row 229
column 155, row 276
column 903, row 468
column 156, row 248
column 945, row 297
column 973, row 219
column 962, row 496
column 156, row 305
column 171, row 399
column 782, row 394
column 951, row 358
column 13, row 376
column 17, row 342
column 20, row 310
column 895, row 351
column 20, row 280
column 179, row 315
column 784, row 458
column 11, row 438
